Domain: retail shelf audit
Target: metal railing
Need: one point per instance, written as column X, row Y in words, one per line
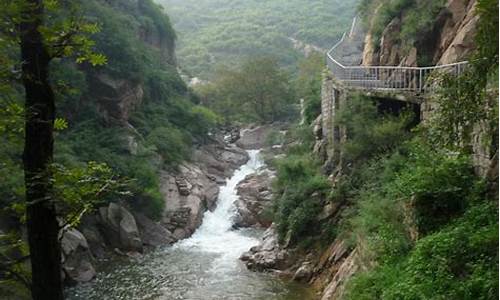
column 397, row 78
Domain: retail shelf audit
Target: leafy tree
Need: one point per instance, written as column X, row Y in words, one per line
column 257, row 91
column 41, row 39
column 307, row 85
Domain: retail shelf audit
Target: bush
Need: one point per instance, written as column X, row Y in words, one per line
column 171, row 143
column 437, row 183
column 301, row 189
column 274, row 137
column 308, row 85
column 369, row 132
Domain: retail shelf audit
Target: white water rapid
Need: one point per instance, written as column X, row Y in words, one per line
column 216, row 234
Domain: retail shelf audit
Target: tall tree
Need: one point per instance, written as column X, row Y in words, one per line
column 40, row 42
column 42, row 225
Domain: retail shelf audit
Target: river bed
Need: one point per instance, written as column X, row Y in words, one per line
column 202, row 267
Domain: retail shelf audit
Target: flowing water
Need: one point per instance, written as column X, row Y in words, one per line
column 203, row 267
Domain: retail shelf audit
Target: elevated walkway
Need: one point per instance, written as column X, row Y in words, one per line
column 344, row 61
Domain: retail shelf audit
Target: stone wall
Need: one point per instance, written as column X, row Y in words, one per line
column 333, row 96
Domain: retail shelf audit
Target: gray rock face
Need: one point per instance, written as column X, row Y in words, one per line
column 77, row 258
column 184, row 206
column 255, row 200
column 117, row 98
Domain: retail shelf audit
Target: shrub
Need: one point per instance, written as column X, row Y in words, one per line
column 458, row 262
column 438, row 185
column 301, row 189
column 371, row 133
column 171, row 143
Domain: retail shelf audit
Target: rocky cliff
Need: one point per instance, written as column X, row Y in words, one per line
column 448, row 39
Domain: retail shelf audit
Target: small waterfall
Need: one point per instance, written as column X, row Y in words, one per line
column 215, row 235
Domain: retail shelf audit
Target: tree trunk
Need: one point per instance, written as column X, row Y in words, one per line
column 43, row 228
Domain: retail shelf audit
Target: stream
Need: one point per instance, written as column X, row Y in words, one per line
column 205, row 266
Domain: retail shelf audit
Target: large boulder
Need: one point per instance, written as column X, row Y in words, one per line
column 119, row 228
column 90, row 228
column 254, row 138
column 255, row 200
column 219, row 161
column 268, row 255
column 77, row 258
column 152, row 233
column 186, row 200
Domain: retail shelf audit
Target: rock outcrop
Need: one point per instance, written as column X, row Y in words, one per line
column 116, row 98
column 326, row 271
column 114, row 229
column 449, row 39
column 153, row 234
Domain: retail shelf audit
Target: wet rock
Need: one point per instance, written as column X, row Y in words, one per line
column 194, row 188
column 77, row 258
column 232, row 136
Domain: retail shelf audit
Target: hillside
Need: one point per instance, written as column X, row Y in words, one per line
column 213, row 32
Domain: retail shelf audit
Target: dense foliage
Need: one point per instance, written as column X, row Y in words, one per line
column 215, row 32
column 427, row 228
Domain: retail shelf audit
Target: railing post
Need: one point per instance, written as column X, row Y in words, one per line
column 420, row 87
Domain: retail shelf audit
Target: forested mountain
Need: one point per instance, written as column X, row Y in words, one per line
column 213, row 32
